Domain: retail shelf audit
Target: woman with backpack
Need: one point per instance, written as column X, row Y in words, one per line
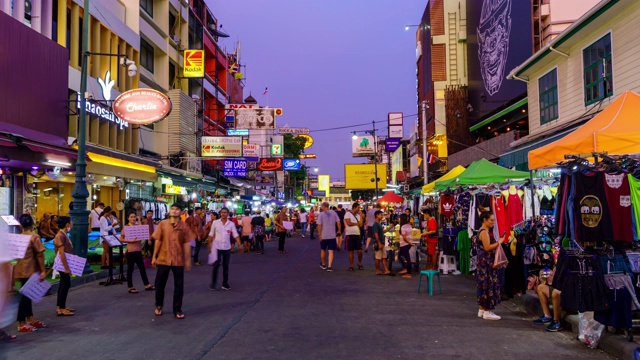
column 258, row 229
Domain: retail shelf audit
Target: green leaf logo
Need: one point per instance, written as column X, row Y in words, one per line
column 364, row 142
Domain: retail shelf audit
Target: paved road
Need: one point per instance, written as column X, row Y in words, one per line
column 285, row 307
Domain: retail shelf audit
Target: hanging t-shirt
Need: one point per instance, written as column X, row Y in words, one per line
column 447, row 203
column 463, row 201
column 593, row 221
column 634, row 187
column 616, row 186
column 527, row 208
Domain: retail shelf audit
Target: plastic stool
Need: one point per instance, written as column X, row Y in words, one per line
column 447, row 263
column 430, row 274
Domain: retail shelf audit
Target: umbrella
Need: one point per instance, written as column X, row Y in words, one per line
column 390, row 197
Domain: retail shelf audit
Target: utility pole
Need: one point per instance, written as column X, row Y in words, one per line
column 375, row 155
column 425, row 167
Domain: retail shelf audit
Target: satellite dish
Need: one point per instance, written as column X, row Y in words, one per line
column 217, row 31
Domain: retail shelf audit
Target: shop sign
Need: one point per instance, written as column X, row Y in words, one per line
column 395, row 124
column 257, row 119
column 291, row 164
column 295, row 131
column 307, row 156
column 270, row 164
column 308, row 140
column 391, row 144
column 251, row 150
column 174, row 189
column 241, row 106
column 235, row 168
column 221, row 146
column 103, row 112
column 362, row 146
column 277, row 149
column 237, row 132
column 142, row 106
column 319, row 193
column 193, row 64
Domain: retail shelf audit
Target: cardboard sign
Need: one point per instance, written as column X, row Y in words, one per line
column 14, row 246
column 288, row 225
column 112, row 240
column 76, row 264
column 35, row 289
column 139, row 232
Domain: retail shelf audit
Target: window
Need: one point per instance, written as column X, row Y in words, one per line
column 172, row 75
column 597, row 67
column 147, row 6
column 548, row 91
column 146, row 55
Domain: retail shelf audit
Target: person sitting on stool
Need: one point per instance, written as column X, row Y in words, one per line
column 546, row 291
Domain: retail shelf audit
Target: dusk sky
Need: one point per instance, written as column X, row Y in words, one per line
column 327, row 63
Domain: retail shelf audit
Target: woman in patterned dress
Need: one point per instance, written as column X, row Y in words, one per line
column 488, row 286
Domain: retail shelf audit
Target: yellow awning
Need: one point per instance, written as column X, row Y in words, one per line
column 103, row 159
column 430, row 187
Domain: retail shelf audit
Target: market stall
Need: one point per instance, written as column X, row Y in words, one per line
column 452, row 174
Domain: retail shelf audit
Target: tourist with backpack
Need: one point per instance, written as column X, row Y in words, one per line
column 258, row 228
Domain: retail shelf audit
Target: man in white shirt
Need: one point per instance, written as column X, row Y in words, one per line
column 94, row 217
column 222, row 231
column 352, row 224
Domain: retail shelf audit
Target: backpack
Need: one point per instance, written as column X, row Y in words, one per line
column 258, row 230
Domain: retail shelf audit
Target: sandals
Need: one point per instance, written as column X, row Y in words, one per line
column 26, row 329
column 38, row 324
column 65, row 312
column 70, row 309
column 179, row 315
column 6, row 337
column 149, row 288
column 406, row 276
column 133, row 291
column 158, row 311
column 360, row 267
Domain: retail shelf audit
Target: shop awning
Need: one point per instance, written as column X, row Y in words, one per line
column 614, row 131
column 430, row 187
column 499, row 115
column 518, row 156
column 482, row 172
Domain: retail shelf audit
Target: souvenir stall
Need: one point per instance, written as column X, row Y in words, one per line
column 598, row 213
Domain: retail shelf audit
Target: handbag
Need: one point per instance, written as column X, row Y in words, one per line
column 500, row 259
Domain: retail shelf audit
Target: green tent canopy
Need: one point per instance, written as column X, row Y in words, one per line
column 482, row 172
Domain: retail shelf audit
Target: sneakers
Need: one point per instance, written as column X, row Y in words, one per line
column 329, row 269
column 543, row 320
column 553, row 327
column 226, row 287
column 489, row 315
column 323, row 267
column 480, row 313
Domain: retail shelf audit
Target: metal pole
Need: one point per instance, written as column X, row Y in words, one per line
column 532, row 187
column 79, row 214
column 425, row 167
column 375, row 156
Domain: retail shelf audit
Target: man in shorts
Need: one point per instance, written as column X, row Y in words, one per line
column 352, row 224
column 378, row 237
column 545, row 292
column 371, row 219
column 328, row 222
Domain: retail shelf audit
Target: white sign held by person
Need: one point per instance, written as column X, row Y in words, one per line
column 76, row 264
column 14, row 246
column 136, row 232
column 288, row 225
column 35, row 289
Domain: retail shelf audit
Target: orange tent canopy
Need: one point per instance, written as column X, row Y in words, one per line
column 614, row 131
column 391, row 197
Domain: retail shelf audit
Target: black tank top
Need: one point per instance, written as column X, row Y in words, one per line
column 592, row 219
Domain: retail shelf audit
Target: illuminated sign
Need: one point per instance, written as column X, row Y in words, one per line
column 307, row 156
column 193, row 64
column 250, row 150
column 324, row 183
column 259, row 119
column 221, row 146
column 235, row 167
column 142, row 106
column 101, row 111
column 238, row 132
column 270, row 164
column 363, row 176
column 291, row 164
column 276, row 149
column 308, row 140
column 241, row 106
column 174, row 189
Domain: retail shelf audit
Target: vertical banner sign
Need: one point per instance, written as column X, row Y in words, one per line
column 324, row 183
column 193, row 64
column 396, row 125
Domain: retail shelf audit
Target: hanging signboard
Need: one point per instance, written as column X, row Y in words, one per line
column 363, row 176
column 295, row 131
column 221, row 146
column 307, row 156
column 308, row 140
column 391, row 144
column 257, row 119
column 142, row 106
column 235, row 168
column 277, row 149
column 237, row 132
column 291, row 164
column 362, row 146
column 193, row 64
column 270, row 164
column 250, row 150
column 395, row 122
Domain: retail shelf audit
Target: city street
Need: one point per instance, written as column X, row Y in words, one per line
column 286, row 307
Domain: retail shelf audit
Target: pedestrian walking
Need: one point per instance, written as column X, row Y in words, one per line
column 171, row 253
column 304, row 218
column 378, row 246
column 328, row 228
column 352, row 225
column 258, row 230
column 406, row 229
column 246, row 231
column 268, row 222
column 31, row 263
column 341, row 213
column 134, row 257
column 488, row 286
column 195, row 223
column 63, row 246
column 148, row 245
column 312, row 224
column 281, row 232
column 222, row 231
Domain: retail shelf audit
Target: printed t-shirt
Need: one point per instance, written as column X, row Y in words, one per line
column 634, row 186
column 328, row 220
column 447, row 203
column 616, row 187
column 406, row 230
column 593, row 222
column 351, row 230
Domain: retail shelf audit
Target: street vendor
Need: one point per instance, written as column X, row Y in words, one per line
column 431, row 234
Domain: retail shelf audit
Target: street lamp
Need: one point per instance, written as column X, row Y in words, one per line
column 79, row 213
column 315, row 169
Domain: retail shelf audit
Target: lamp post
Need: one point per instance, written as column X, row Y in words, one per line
column 79, row 213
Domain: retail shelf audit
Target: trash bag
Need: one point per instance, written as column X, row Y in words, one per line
column 589, row 330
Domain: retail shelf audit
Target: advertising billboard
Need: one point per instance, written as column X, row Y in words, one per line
column 270, row 164
column 251, row 150
column 256, row 119
column 395, row 124
column 235, row 167
column 324, row 183
column 193, row 66
column 391, row 144
column 291, row 164
column 499, row 38
column 221, row 146
column 362, row 176
column 396, row 164
column 362, row 146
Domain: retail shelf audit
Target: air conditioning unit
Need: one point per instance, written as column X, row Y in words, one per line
column 545, row 10
column 462, row 35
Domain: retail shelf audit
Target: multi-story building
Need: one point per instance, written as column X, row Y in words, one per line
column 578, row 73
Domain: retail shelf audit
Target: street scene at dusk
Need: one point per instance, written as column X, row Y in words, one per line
column 430, row 179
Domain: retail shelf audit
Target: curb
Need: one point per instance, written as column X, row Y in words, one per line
column 78, row 281
column 612, row 344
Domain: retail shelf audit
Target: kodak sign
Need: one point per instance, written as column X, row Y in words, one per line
column 193, row 64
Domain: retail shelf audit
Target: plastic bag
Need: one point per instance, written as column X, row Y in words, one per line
column 500, row 259
column 589, row 330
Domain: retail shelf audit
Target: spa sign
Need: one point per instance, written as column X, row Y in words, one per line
column 142, row 106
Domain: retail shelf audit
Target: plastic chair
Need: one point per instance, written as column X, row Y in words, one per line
column 430, row 274
column 447, row 263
